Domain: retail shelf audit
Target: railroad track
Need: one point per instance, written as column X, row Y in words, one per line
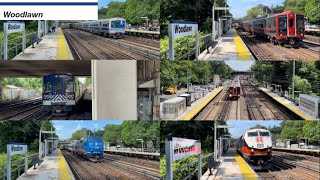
column 142, row 162
column 263, row 50
column 134, row 167
column 89, row 46
column 288, row 166
column 83, row 169
column 210, row 111
column 261, row 107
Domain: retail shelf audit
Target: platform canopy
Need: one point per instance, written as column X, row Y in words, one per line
column 39, row 68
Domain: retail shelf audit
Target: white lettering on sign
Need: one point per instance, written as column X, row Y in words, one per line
column 181, row 30
column 12, row 27
column 17, row 149
column 183, row 148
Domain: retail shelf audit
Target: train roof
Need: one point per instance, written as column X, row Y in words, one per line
column 174, row 100
column 254, row 130
column 101, row 20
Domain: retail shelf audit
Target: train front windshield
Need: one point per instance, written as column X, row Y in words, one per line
column 118, row 24
column 283, row 24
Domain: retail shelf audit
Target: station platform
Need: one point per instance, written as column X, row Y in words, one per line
column 230, row 47
column 197, row 106
column 315, row 152
column 286, row 103
column 54, row 166
column 232, row 166
column 53, row 46
column 143, row 33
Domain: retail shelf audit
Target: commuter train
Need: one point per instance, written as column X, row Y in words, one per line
column 113, row 28
column 255, row 145
column 60, row 93
column 287, row 28
column 91, row 148
column 234, row 90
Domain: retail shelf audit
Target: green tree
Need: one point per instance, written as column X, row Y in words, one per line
column 311, row 131
column 258, row 126
column 292, row 130
column 253, row 13
column 297, row 6
column 116, row 9
column 81, row 133
column 302, row 85
column 142, row 8
column 112, row 134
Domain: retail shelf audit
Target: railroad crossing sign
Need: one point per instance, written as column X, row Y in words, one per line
column 178, row 29
column 14, row 149
column 13, row 27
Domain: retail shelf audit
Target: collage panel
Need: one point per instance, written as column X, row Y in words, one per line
column 239, row 150
column 80, row 90
column 216, row 90
column 79, row 149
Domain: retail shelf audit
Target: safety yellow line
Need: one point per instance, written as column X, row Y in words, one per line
column 64, row 172
column 194, row 112
column 62, row 53
column 247, row 172
column 242, row 51
column 299, row 113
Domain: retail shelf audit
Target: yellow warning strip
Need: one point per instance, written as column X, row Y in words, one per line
column 247, row 172
column 296, row 111
column 62, row 52
column 64, row 172
column 196, row 110
column 242, row 51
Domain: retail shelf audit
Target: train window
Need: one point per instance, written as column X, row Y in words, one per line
column 69, row 86
column 300, row 23
column 264, row 133
column 47, row 86
column 252, row 134
column 57, row 87
column 282, row 22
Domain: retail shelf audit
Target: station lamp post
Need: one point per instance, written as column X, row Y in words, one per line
column 215, row 137
column 213, row 22
column 141, row 143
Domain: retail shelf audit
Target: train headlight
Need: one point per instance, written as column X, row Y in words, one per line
column 280, row 34
column 268, row 149
column 251, row 150
column 230, row 95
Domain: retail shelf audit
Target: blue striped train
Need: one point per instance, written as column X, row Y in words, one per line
column 60, row 93
column 113, row 27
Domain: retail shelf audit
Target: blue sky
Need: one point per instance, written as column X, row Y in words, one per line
column 104, row 3
column 239, row 8
column 242, row 126
column 64, row 129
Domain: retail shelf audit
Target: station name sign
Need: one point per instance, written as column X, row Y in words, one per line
column 183, row 148
column 48, row 9
column 181, row 29
column 14, row 26
column 17, row 148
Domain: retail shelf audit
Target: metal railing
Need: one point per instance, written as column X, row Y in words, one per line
column 15, row 45
column 17, row 168
column 190, row 169
column 188, row 49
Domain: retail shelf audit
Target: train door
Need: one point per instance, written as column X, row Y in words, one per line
column 291, row 24
column 57, row 86
column 235, row 91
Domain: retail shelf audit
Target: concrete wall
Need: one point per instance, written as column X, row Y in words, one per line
column 114, row 90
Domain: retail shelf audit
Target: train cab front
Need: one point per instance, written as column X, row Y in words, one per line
column 58, row 94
